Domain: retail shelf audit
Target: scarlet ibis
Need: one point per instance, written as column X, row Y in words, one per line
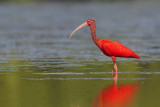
column 109, row 48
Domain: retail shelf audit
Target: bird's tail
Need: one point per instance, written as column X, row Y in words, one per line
column 135, row 56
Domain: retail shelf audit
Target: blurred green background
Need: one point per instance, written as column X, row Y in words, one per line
column 70, row 0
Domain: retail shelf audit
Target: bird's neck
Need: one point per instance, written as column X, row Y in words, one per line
column 93, row 33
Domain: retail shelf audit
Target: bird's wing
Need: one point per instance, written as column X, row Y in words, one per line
column 112, row 48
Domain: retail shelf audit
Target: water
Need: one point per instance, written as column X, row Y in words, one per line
column 40, row 67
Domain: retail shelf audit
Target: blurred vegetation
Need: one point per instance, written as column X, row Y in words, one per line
column 63, row 0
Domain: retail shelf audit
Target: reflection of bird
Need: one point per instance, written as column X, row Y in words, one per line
column 116, row 95
column 109, row 48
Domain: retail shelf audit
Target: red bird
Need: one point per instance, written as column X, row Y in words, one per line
column 109, row 48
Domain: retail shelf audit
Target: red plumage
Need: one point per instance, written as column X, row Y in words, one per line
column 110, row 48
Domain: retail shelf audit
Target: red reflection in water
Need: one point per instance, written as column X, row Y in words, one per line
column 117, row 95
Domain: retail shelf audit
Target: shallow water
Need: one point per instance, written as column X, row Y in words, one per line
column 40, row 67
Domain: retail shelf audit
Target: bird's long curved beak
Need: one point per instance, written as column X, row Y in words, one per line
column 82, row 25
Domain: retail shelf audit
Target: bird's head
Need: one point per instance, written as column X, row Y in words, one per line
column 89, row 22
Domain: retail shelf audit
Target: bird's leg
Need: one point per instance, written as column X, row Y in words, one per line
column 115, row 66
column 115, row 76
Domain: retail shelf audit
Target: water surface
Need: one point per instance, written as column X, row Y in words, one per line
column 40, row 67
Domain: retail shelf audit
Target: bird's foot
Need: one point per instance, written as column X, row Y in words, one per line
column 115, row 68
column 115, row 75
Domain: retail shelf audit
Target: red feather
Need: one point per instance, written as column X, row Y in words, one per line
column 112, row 48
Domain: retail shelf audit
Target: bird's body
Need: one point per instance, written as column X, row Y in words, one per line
column 109, row 48
column 112, row 48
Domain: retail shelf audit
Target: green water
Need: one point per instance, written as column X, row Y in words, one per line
column 78, row 86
